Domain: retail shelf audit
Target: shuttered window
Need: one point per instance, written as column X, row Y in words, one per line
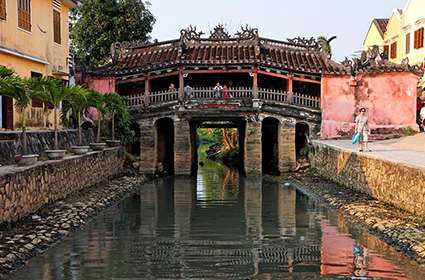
column 2, row 9
column 24, row 14
column 394, row 50
column 407, row 43
column 419, row 38
column 387, row 50
column 57, row 26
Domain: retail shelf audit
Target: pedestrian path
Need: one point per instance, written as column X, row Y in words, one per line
column 407, row 150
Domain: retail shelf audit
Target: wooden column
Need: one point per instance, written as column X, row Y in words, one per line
column 254, row 75
column 147, row 90
column 181, row 85
column 290, row 87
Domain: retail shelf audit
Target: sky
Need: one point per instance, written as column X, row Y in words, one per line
column 349, row 20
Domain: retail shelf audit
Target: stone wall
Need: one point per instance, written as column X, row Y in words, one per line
column 24, row 190
column 400, row 185
column 38, row 142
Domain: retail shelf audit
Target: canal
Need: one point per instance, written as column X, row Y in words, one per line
column 219, row 225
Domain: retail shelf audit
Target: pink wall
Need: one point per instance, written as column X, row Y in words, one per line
column 102, row 85
column 389, row 97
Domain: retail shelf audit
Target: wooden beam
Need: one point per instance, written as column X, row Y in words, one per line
column 151, row 77
column 214, row 71
column 254, row 75
column 181, row 84
column 288, row 76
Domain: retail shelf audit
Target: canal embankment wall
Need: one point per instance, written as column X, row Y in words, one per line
column 24, row 190
column 396, row 183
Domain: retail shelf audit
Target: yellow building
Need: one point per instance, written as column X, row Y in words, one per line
column 375, row 35
column 402, row 36
column 34, row 41
column 413, row 31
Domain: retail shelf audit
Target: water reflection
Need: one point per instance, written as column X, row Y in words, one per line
column 219, row 225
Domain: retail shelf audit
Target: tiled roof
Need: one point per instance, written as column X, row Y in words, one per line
column 381, row 24
column 299, row 55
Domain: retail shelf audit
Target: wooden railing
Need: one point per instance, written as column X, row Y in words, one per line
column 208, row 93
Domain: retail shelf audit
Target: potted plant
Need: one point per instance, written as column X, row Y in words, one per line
column 77, row 100
column 98, row 101
column 20, row 90
column 115, row 105
column 52, row 91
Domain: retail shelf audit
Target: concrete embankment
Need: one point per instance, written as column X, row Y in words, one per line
column 383, row 174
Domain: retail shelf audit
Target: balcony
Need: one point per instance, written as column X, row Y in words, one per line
column 208, row 94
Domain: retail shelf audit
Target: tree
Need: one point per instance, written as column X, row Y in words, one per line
column 97, row 24
column 51, row 91
column 115, row 105
column 325, row 45
column 98, row 101
column 77, row 102
column 21, row 91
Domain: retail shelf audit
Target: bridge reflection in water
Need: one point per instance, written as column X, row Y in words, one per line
column 219, row 225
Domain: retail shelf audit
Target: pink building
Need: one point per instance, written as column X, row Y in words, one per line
column 389, row 97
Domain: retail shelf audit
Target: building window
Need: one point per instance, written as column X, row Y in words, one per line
column 24, row 14
column 57, row 26
column 407, row 43
column 394, row 50
column 419, row 38
column 386, row 50
column 3, row 9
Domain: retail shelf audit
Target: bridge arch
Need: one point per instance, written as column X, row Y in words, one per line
column 270, row 128
column 164, row 145
column 302, row 136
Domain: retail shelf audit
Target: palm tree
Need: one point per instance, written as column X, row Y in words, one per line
column 115, row 105
column 52, row 91
column 98, row 101
column 325, row 45
column 20, row 90
column 77, row 99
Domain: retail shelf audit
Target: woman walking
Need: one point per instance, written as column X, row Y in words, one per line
column 362, row 127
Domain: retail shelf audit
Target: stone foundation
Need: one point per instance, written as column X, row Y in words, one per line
column 182, row 147
column 400, row 185
column 38, row 142
column 252, row 153
column 24, row 190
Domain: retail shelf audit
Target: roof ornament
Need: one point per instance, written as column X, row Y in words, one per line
column 191, row 34
column 247, row 33
column 219, row 33
column 304, row 42
column 372, row 58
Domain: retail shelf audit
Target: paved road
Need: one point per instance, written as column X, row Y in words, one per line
column 408, row 150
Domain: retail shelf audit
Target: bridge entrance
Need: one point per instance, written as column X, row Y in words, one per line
column 165, row 145
column 270, row 146
column 225, row 140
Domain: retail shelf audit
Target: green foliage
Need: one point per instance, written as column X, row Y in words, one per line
column 325, row 44
column 118, row 111
column 210, row 135
column 97, row 24
column 408, row 131
column 303, row 151
column 50, row 90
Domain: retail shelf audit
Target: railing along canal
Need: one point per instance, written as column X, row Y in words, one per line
column 208, row 93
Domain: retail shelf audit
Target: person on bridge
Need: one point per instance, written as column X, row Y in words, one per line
column 172, row 88
column 217, row 90
column 362, row 127
column 226, row 92
column 188, row 91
